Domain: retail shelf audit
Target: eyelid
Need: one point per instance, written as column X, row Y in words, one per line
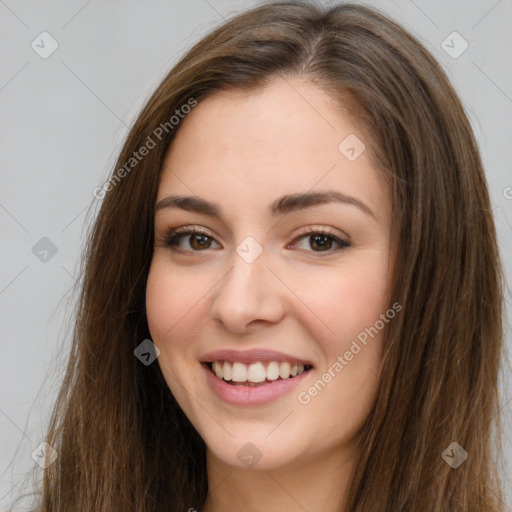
column 171, row 238
column 326, row 230
column 176, row 234
column 310, row 228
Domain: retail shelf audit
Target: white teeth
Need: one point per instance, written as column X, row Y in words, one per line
column 226, row 371
column 239, row 372
column 255, row 372
column 273, row 370
column 284, row 370
column 217, row 368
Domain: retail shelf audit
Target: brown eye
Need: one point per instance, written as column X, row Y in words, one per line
column 200, row 241
column 197, row 240
column 321, row 241
column 318, row 241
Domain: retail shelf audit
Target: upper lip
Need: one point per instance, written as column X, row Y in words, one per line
column 251, row 356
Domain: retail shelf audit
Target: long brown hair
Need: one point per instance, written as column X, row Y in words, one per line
column 123, row 442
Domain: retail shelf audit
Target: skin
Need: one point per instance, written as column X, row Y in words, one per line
column 243, row 150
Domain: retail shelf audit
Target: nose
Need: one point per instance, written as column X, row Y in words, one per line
column 248, row 296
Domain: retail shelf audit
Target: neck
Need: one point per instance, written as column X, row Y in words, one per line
column 319, row 484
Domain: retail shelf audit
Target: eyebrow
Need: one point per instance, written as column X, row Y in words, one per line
column 283, row 205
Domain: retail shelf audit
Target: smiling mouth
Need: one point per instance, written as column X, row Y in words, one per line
column 255, row 374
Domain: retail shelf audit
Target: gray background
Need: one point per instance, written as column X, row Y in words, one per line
column 62, row 122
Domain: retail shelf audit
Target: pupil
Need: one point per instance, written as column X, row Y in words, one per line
column 202, row 240
column 322, row 245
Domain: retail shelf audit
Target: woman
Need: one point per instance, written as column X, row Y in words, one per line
column 336, row 343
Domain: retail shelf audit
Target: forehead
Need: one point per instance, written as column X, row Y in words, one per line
column 253, row 146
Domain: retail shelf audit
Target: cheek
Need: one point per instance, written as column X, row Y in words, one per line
column 170, row 299
column 348, row 299
column 173, row 309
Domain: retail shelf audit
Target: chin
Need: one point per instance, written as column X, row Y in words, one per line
column 256, row 456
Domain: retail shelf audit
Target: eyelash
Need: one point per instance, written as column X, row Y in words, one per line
column 173, row 237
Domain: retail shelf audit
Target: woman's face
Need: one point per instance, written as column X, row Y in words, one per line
column 271, row 281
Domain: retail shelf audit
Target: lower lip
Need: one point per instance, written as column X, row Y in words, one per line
column 251, row 395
